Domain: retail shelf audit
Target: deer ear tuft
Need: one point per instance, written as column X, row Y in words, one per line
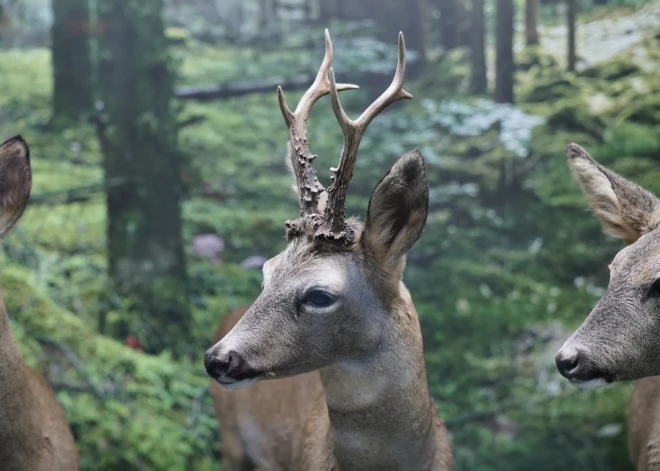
column 15, row 181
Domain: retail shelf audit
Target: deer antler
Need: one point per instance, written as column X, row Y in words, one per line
column 334, row 225
column 302, row 160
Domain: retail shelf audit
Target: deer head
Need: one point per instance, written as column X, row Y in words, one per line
column 620, row 339
column 331, row 294
column 15, row 181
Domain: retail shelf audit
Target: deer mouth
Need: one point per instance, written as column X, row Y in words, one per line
column 592, row 384
column 591, row 380
column 232, row 383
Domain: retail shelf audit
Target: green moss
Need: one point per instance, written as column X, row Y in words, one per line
column 146, row 401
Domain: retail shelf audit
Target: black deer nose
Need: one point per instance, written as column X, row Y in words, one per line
column 568, row 362
column 221, row 364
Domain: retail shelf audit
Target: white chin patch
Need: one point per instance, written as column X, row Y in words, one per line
column 244, row 383
column 591, row 384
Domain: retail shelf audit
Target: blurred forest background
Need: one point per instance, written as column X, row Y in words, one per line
column 160, row 188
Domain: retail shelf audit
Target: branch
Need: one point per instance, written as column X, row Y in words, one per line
column 228, row 90
column 505, row 406
column 64, row 385
column 77, row 364
column 196, row 407
column 78, row 194
column 68, row 196
column 191, row 121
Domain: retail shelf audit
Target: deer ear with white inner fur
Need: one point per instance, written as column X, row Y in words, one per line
column 15, row 181
column 398, row 209
column 625, row 209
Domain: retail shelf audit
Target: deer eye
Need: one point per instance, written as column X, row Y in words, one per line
column 655, row 289
column 319, row 298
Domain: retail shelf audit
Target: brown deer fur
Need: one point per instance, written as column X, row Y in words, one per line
column 644, row 425
column 34, row 434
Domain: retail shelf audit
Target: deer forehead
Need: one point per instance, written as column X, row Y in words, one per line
column 639, row 262
column 333, row 271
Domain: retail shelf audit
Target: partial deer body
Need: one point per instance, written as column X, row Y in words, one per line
column 644, row 425
column 34, row 434
column 620, row 339
column 334, row 330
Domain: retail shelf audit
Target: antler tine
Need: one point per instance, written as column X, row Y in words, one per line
column 309, row 187
column 334, row 226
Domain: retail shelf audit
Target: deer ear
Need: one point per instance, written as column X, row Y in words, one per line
column 625, row 209
column 15, row 181
column 398, row 209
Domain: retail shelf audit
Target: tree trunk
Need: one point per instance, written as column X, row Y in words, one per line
column 72, row 63
column 449, row 24
column 343, row 9
column 327, row 11
column 143, row 183
column 504, row 66
column 479, row 78
column 264, row 15
column 531, row 14
column 336, row 9
column 415, row 29
column 572, row 20
column 308, row 9
column 392, row 16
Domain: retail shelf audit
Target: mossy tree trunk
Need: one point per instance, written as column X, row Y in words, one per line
column 72, row 62
column 571, row 18
column 478, row 78
column 504, row 62
column 531, row 20
column 139, row 140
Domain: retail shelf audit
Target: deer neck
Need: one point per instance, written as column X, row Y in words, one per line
column 380, row 410
column 19, row 428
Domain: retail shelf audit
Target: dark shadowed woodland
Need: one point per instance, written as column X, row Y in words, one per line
column 160, row 188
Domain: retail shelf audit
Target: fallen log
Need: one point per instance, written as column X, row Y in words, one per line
column 229, row 90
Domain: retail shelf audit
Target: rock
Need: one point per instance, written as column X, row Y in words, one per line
column 610, row 430
column 255, row 261
column 208, row 246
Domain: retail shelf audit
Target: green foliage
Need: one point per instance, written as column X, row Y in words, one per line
column 136, row 411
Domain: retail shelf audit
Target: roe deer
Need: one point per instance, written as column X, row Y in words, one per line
column 620, row 339
column 334, row 328
column 34, row 433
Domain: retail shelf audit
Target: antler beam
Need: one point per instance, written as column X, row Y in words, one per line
column 302, row 160
column 334, row 220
